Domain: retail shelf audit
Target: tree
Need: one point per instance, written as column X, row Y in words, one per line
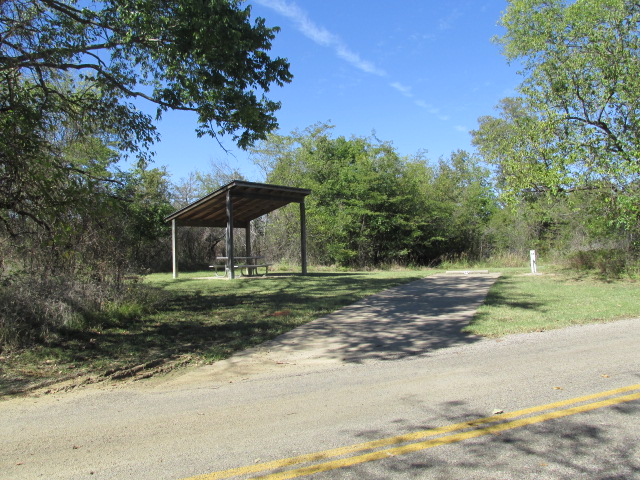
column 566, row 152
column 581, row 95
column 72, row 76
column 548, row 203
column 462, row 193
column 359, row 213
column 524, row 149
column 372, row 207
column 451, row 204
column 83, row 63
column 581, row 66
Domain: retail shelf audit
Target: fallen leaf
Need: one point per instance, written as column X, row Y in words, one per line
column 497, row 411
column 604, row 375
column 557, row 388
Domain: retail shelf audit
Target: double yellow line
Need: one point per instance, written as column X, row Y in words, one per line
column 416, row 441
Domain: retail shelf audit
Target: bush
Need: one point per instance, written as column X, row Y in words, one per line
column 607, row 262
column 38, row 310
column 29, row 311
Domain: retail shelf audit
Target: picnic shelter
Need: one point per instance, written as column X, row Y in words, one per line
column 235, row 205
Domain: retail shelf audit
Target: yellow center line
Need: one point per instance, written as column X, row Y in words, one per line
column 413, row 437
column 415, row 447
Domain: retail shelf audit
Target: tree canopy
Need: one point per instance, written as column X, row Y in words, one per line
column 370, row 206
column 202, row 56
column 71, row 70
column 582, row 70
column 575, row 126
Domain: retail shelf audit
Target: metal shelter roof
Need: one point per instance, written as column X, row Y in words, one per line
column 250, row 200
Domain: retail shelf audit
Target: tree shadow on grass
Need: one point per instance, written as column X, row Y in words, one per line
column 205, row 324
column 506, row 293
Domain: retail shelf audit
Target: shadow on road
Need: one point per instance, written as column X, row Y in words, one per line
column 574, row 447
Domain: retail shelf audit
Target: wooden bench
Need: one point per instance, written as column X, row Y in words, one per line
column 251, row 268
column 254, row 267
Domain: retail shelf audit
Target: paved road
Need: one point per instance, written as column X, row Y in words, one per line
column 270, row 405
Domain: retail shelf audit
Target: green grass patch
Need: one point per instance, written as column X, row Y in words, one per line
column 194, row 321
column 520, row 303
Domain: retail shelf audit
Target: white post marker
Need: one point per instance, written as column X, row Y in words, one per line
column 534, row 266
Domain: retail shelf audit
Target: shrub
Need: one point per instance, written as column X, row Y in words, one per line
column 607, row 262
column 37, row 310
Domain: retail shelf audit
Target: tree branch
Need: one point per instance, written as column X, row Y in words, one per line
column 112, row 80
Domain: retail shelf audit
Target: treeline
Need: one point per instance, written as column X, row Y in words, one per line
column 371, row 207
column 71, row 266
column 566, row 149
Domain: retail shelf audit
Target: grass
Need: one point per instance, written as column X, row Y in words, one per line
column 520, row 302
column 198, row 321
column 201, row 321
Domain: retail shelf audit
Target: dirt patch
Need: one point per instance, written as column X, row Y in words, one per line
column 120, row 375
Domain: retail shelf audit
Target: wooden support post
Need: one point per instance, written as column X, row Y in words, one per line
column 174, row 247
column 303, row 238
column 247, row 237
column 247, row 241
column 230, row 260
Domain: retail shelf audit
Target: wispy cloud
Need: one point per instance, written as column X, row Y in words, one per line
column 403, row 89
column 461, row 128
column 427, row 106
column 433, row 110
column 326, row 38
column 446, row 23
column 321, row 35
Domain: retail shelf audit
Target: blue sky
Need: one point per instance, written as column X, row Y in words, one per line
column 417, row 72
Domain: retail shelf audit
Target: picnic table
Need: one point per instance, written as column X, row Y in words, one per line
column 249, row 265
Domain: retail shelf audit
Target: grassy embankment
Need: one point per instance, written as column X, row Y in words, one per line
column 194, row 321
column 201, row 321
